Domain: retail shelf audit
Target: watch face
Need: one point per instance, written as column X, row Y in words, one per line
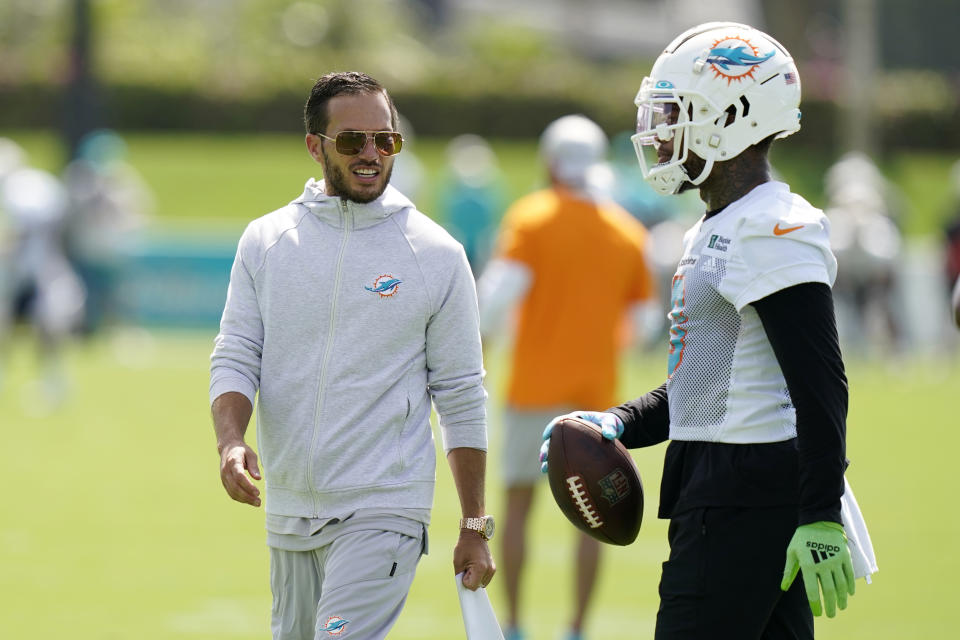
column 488, row 527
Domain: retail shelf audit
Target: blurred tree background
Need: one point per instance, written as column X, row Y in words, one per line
column 491, row 67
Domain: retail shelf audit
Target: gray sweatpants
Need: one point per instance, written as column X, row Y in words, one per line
column 354, row 586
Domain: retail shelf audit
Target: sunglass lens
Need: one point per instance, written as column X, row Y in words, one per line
column 350, row 143
column 388, row 143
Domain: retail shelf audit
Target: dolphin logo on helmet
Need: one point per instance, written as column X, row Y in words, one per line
column 726, row 57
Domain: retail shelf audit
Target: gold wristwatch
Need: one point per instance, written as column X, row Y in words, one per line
column 485, row 526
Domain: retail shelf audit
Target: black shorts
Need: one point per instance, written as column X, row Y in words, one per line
column 722, row 580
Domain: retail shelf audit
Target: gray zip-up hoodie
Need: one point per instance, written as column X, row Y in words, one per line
column 348, row 317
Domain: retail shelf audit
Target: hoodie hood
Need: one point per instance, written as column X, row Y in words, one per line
column 331, row 209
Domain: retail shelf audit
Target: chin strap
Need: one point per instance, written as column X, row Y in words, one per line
column 668, row 181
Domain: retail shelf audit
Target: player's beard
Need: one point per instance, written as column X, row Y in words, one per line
column 338, row 182
column 692, row 167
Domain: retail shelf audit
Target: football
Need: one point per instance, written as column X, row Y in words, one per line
column 595, row 482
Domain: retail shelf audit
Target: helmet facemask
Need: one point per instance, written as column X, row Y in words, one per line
column 717, row 89
column 664, row 115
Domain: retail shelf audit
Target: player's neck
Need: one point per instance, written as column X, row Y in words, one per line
column 731, row 180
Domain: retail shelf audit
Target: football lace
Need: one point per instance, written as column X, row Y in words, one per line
column 582, row 500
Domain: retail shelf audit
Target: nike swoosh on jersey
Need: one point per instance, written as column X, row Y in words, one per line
column 779, row 231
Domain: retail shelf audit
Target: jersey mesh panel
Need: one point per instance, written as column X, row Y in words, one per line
column 698, row 388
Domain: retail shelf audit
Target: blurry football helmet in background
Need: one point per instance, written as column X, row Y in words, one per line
column 572, row 147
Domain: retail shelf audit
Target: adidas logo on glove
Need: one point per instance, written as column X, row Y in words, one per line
column 821, row 551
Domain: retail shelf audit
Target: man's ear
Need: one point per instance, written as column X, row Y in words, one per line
column 313, row 143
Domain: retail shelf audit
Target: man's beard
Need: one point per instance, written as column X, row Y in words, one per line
column 692, row 167
column 337, row 180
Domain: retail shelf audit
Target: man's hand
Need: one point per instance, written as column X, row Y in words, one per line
column 820, row 551
column 236, row 460
column 472, row 557
column 611, row 427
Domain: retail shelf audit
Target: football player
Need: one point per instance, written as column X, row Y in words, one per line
column 37, row 282
column 755, row 399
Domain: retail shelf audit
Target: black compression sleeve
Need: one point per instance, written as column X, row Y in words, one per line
column 800, row 324
column 646, row 420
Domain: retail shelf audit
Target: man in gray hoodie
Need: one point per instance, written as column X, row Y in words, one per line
column 348, row 310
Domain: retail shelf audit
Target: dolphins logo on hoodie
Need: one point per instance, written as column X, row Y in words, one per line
column 385, row 285
column 335, row 625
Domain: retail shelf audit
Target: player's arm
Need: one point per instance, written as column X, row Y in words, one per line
column 455, row 382
column 231, row 415
column 503, row 283
column 645, row 312
column 472, row 554
column 800, row 324
column 234, row 380
column 646, row 420
column 639, row 423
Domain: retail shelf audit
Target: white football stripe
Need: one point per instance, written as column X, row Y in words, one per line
column 582, row 500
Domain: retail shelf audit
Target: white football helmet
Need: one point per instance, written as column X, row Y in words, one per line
column 717, row 89
column 572, row 146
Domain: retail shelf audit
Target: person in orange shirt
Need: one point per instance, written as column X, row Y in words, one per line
column 559, row 251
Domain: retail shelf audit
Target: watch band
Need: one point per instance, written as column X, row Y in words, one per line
column 483, row 525
column 474, row 524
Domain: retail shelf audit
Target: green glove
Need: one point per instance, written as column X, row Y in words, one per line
column 819, row 549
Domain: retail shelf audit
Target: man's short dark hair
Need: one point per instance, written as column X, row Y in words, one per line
column 315, row 117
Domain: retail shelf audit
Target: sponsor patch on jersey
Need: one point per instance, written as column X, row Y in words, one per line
column 718, row 242
column 385, row 285
column 689, row 261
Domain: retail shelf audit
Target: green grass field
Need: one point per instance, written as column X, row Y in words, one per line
column 115, row 525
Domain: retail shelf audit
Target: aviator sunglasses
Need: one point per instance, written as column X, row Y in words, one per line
column 350, row 143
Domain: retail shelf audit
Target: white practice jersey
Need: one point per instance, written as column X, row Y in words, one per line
column 724, row 383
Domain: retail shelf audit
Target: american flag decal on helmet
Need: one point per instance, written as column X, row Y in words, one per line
column 790, row 77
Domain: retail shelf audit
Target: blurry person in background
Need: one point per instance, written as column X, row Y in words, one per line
column 952, row 229
column 631, row 191
column 560, row 251
column 471, row 198
column 348, row 311
column 665, row 218
column 12, row 157
column 110, row 203
column 867, row 245
column 858, row 167
column 37, row 282
column 407, row 176
column 955, row 302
